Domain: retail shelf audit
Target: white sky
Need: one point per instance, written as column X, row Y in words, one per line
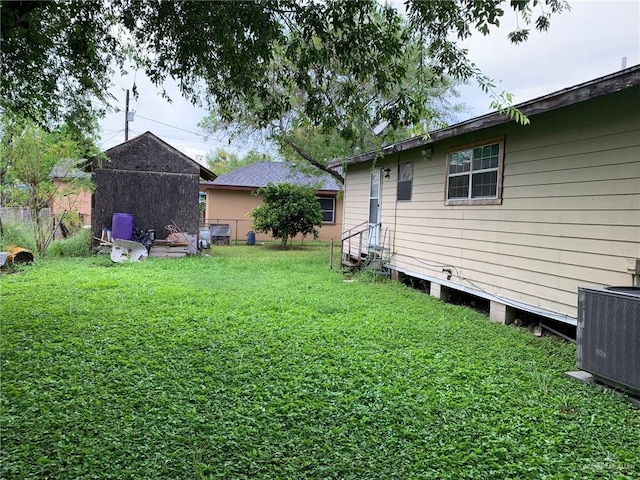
column 584, row 43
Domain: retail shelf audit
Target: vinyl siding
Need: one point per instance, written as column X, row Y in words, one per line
column 356, row 210
column 570, row 214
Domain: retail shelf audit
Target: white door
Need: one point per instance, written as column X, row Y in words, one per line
column 375, row 200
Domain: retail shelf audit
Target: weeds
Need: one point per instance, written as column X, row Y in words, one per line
column 79, row 245
column 15, row 234
column 259, row 363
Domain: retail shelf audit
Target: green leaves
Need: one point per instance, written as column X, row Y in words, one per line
column 338, row 65
column 222, row 162
column 28, row 155
column 287, row 210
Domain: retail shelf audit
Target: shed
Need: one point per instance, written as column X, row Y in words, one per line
column 151, row 180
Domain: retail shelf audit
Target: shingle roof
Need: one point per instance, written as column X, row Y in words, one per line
column 68, row 168
column 260, row 174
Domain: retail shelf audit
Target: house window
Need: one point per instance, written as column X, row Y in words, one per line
column 474, row 173
column 328, row 206
column 405, row 180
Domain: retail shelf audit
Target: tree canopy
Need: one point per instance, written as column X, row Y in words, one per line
column 346, row 122
column 221, row 161
column 57, row 58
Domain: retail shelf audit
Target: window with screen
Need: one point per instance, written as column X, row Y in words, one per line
column 328, row 206
column 405, row 180
column 474, row 173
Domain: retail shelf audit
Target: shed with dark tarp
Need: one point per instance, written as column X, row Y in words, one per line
column 151, row 180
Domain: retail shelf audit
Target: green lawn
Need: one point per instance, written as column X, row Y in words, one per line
column 260, row 363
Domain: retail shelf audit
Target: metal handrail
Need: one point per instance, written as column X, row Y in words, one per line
column 356, row 233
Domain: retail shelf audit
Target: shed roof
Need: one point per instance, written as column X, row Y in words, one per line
column 615, row 82
column 205, row 173
column 260, row 174
column 69, row 168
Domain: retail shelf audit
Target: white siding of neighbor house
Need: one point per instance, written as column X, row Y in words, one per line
column 570, row 214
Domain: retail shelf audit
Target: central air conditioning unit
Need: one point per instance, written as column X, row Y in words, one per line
column 608, row 336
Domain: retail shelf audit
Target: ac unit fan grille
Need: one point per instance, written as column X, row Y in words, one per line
column 608, row 336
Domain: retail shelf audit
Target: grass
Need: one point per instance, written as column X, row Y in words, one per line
column 78, row 245
column 259, row 363
column 18, row 235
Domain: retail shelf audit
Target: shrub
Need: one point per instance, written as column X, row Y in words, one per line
column 78, row 245
column 287, row 210
column 18, row 235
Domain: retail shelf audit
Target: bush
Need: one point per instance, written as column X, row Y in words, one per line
column 18, row 235
column 78, row 245
column 287, row 210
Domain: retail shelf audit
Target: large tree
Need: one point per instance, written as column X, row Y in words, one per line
column 348, row 122
column 57, row 57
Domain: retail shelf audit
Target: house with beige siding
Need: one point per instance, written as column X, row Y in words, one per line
column 230, row 198
column 517, row 215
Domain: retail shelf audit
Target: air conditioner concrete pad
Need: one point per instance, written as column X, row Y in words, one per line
column 581, row 376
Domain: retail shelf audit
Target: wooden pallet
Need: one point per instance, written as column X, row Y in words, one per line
column 160, row 249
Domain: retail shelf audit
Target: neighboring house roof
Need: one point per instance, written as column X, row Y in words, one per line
column 205, row 173
column 260, row 174
column 608, row 84
column 67, row 168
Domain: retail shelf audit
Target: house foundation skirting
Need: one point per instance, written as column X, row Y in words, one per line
column 502, row 310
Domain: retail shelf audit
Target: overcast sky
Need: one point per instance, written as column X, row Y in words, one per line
column 584, row 43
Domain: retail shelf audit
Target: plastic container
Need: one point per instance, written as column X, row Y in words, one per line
column 20, row 255
column 251, row 238
column 122, row 226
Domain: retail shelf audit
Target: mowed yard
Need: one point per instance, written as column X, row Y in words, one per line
column 259, row 363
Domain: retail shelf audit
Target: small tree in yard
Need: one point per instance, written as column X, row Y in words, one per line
column 28, row 153
column 288, row 210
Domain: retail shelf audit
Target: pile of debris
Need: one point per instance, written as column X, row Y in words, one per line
column 143, row 244
column 177, row 244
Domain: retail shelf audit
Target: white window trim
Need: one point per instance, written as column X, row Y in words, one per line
column 333, row 210
column 410, row 182
column 497, row 200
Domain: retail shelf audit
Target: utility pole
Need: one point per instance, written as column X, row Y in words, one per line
column 126, row 118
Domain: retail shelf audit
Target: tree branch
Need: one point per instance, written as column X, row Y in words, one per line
column 312, row 160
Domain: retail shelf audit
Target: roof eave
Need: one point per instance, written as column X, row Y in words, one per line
column 608, row 84
column 204, row 173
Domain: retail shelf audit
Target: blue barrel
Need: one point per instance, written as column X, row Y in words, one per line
column 251, row 238
column 122, row 226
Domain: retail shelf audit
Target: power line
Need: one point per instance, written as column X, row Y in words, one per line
column 204, row 138
column 172, row 126
column 112, row 137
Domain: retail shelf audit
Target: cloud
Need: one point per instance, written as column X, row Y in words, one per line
column 583, row 43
